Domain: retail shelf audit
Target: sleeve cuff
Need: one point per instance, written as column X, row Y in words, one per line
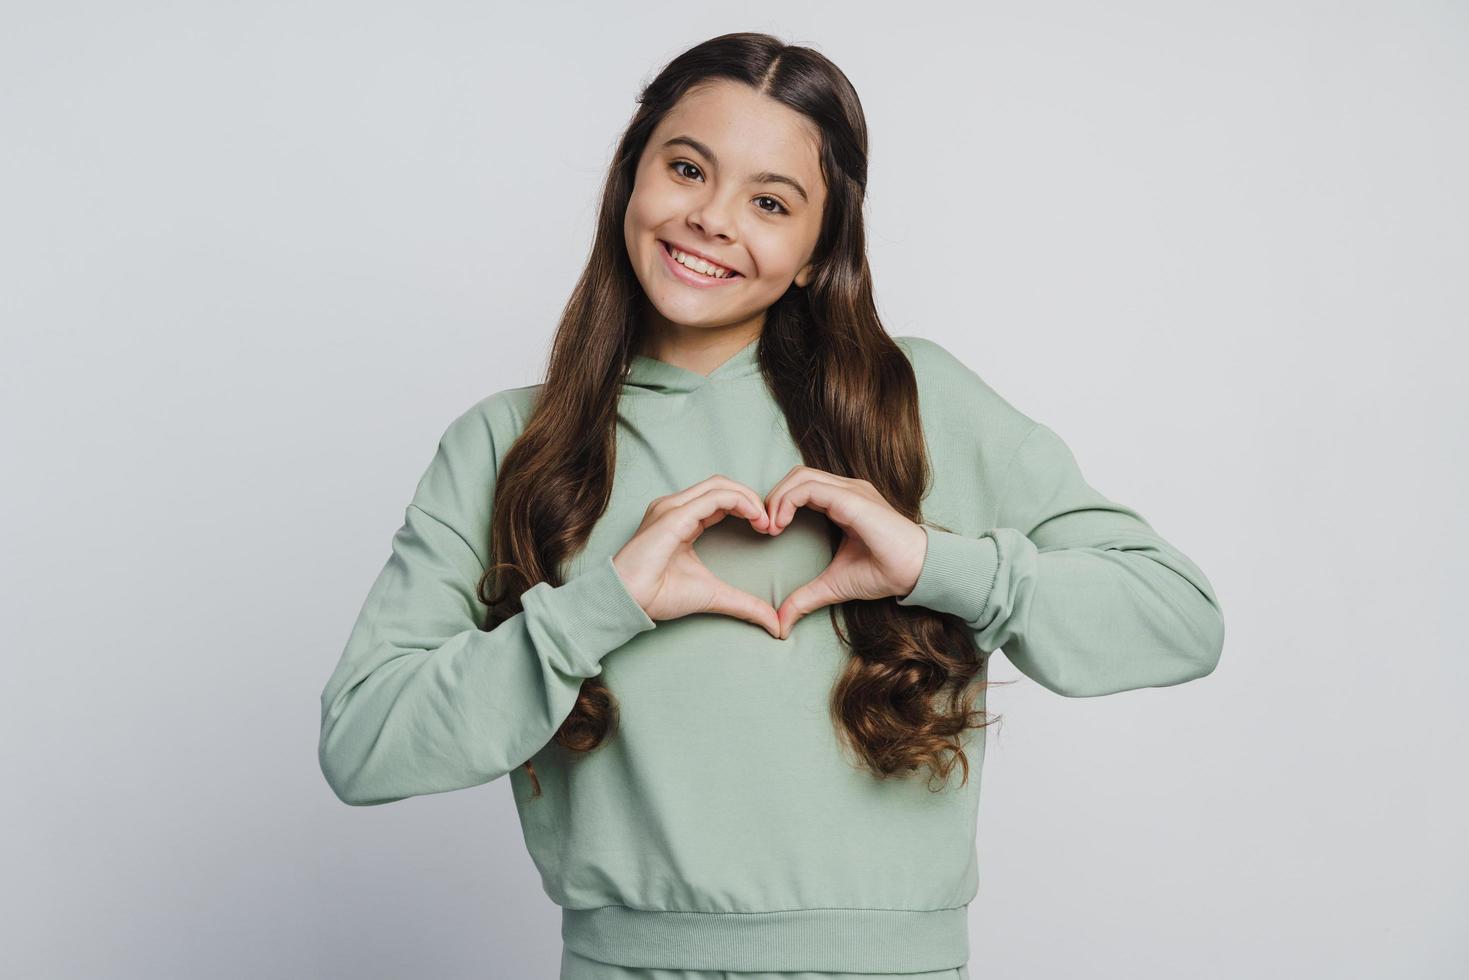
column 589, row 616
column 958, row 575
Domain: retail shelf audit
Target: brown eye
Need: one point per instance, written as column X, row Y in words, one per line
column 779, row 207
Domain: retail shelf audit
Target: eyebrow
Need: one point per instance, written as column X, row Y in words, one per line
column 763, row 177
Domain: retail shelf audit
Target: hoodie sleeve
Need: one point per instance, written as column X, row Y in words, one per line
column 1083, row 595
column 422, row 699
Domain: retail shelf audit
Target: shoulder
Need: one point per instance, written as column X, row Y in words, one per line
column 488, row 427
column 458, row 484
column 953, row 396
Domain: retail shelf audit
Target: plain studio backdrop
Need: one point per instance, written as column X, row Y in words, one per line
column 257, row 256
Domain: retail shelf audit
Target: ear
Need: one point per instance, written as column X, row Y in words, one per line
column 803, row 277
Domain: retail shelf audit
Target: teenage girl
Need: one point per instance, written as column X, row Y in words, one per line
column 719, row 593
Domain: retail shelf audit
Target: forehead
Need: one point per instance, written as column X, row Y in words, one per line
column 746, row 130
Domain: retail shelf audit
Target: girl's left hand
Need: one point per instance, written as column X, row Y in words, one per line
column 881, row 554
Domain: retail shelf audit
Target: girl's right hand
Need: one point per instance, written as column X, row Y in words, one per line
column 661, row 570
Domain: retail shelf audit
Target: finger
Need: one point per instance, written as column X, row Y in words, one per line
column 711, row 507
column 784, row 483
column 740, row 604
column 815, row 594
column 719, row 481
column 836, row 498
column 775, row 500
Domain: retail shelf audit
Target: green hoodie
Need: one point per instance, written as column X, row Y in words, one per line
column 720, row 826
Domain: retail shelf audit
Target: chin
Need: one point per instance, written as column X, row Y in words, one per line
column 690, row 316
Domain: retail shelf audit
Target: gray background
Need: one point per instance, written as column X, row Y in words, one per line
column 257, row 256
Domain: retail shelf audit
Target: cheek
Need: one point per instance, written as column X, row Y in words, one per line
column 638, row 224
column 777, row 257
column 633, row 218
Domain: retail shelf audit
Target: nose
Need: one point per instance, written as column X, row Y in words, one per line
column 714, row 218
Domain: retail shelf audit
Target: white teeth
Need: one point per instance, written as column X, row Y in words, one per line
column 699, row 265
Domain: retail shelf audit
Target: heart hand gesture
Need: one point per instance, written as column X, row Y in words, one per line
column 661, row 570
column 881, row 554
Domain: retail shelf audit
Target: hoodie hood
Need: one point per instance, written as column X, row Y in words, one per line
column 650, row 376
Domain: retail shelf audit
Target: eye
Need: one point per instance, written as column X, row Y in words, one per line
column 779, row 207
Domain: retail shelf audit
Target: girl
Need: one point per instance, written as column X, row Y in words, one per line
column 603, row 585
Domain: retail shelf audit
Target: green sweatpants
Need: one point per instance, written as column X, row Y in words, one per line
column 577, row 967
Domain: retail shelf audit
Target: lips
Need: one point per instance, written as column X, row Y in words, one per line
column 694, row 252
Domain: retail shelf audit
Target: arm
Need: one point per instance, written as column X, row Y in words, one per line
column 423, row 700
column 1082, row 594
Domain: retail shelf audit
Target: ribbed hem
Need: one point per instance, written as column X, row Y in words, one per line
column 958, row 575
column 835, row 940
column 587, row 617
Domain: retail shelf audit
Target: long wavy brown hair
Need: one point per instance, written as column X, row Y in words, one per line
column 907, row 693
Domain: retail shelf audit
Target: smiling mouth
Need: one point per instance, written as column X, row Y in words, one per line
column 668, row 251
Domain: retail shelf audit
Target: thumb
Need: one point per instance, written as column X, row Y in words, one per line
column 740, row 604
column 815, row 594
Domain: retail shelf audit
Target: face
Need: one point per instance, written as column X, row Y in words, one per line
column 735, row 177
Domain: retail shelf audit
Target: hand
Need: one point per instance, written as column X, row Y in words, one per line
column 663, row 572
column 881, row 554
